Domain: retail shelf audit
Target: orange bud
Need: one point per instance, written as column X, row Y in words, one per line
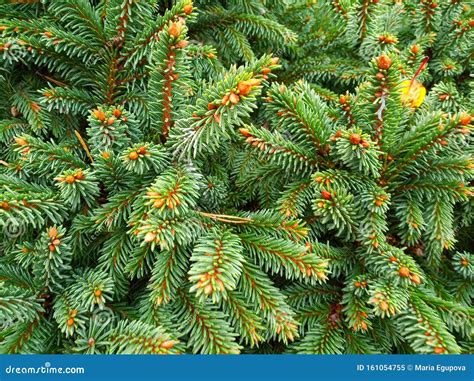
column 105, row 155
column 169, row 343
column 208, row 289
column 342, row 99
column 99, row 114
column 159, row 203
column 79, row 175
column 70, row 322
column 98, row 293
column 188, row 9
column 244, row 87
column 326, row 195
column 133, row 155
column 439, row 350
column 245, row 132
column 142, row 150
column 465, row 119
column 415, row 49
column 53, row 232
column 110, row 121
column 70, row 179
column 415, row 279
column 404, row 272
column 117, row 113
column 321, row 275
column 234, row 98
column 174, row 30
column 48, row 34
column 383, row 305
column 150, row 236
column 21, row 141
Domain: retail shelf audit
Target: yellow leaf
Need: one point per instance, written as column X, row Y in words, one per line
column 412, row 94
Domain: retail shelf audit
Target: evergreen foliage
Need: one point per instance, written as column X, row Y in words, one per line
column 247, row 176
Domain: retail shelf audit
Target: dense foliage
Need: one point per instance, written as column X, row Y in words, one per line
column 236, row 176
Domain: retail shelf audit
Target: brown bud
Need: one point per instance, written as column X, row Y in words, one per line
column 355, row 139
column 384, row 62
column 380, row 77
column 182, row 44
